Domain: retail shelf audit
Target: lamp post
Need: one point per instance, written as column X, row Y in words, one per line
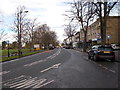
column 8, row 48
column 20, row 17
column 108, row 37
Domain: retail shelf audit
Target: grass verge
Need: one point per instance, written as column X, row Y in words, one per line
column 5, row 52
column 15, row 57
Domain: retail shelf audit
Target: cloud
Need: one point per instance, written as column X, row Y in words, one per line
column 46, row 11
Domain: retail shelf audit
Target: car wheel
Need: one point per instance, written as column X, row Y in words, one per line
column 112, row 60
column 89, row 57
column 95, row 58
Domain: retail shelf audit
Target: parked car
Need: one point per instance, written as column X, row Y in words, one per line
column 101, row 52
column 67, row 47
column 51, row 47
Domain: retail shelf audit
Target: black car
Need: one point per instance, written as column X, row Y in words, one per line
column 101, row 52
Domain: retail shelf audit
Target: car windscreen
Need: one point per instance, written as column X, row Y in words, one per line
column 105, row 48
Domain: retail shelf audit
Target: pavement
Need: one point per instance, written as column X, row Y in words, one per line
column 117, row 54
column 59, row 68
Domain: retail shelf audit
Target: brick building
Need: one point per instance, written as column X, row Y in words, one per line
column 112, row 30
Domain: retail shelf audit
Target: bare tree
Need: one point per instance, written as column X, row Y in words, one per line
column 83, row 12
column 54, row 40
column 19, row 25
column 28, row 34
column 103, row 9
column 43, row 36
column 2, row 34
column 2, row 31
column 39, row 32
column 70, row 30
column 48, row 38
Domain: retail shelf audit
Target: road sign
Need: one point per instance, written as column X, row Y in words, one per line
column 36, row 46
column 98, row 39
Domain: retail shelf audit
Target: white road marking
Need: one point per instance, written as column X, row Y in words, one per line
column 112, row 71
column 39, row 83
column 54, row 66
column 4, row 72
column 99, row 65
column 46, row 69
column 50, row 57
column 108, row 60
column 33, row 63
column 23, row 82
column 105, row 67
column 12, row 84
column 53, row 56
column 27, row 83
column 36, row 83
column 15, row 79
column 44, row 84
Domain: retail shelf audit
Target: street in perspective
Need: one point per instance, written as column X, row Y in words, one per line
column 60, row 44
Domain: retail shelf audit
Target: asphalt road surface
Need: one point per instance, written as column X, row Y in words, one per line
column 59, row 68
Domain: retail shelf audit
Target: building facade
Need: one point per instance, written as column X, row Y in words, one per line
column 94, row 34
column 112, row 31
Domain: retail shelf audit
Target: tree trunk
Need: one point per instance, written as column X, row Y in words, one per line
column 101, row 23
column 104, row 31
column 101, row 30
column 104, row 23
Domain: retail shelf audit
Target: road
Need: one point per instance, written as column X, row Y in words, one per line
column 59, row 68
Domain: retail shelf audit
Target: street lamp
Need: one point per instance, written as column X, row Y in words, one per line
column 8, row 48
column 108, row 37
column 20, row 19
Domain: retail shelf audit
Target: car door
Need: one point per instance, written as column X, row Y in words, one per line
column 93, row 50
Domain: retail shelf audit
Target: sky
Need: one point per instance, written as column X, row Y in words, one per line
column 48, row 12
